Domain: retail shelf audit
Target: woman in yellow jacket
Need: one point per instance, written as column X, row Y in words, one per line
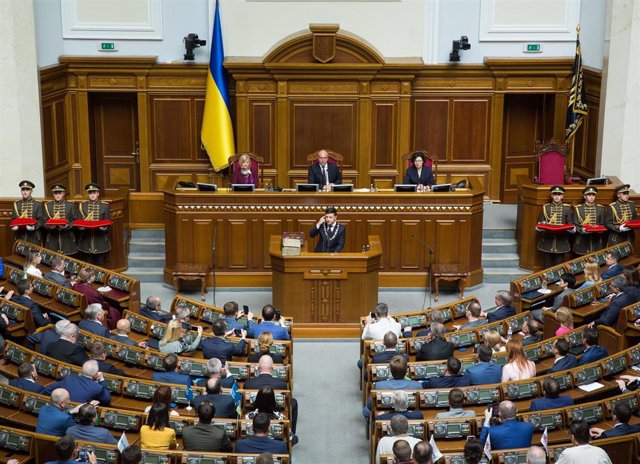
column 158, row 434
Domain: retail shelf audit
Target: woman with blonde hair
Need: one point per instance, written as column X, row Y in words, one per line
column 265, row 340
column 246, row 172
column 518, row 367
column 565, row 317
column 591, row 275
column 31, row 264
column 173, row 341
column 494, row 340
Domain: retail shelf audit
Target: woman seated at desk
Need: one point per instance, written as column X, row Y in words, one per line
column 419, row 174
column 247, row 173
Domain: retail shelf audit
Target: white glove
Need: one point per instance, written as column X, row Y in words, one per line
column 624, row 228
column 15, row 228
column 31, row 228
column 103, row 228
column 572, row 231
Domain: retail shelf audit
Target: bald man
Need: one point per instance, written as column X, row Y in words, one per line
column 86, row 387
column 54, row 419
column 123, row 328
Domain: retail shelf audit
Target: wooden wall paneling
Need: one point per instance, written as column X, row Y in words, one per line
column 447, row 232
column 494, row 178
column 146, row 210
column 470, row 130
column 270, row 226
column 431, row 126
column 405, row 126
column 238, row 247
column 384, row 117
column 144, row 131
column 378, row 227
column 202, row 236
column 172, row 135
column 411, row 250
column 48, row 135
column 197, row 107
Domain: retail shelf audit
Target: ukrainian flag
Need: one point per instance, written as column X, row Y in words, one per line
column 217, row 131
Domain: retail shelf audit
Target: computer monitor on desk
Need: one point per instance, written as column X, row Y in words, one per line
column 441, row 188
column 207, row 187
column 242, row 187
column 307, row 187
column 405, row 188
column 343, row 188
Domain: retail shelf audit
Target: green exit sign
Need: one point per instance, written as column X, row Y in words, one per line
column 107, row 47
column 532, row 48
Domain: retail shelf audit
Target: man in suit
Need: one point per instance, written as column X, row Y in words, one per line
column 456, row 400
column 332, row 234
column 66, row 348
column 99, row 353
column 563, row 360
column 28, row 208
column 531, row 331
column 93, row 321
column 451, row 377
column 204, row 436
column 567, row 284
column 94, row 243
column 271, row 322
column 511, row 433
column 323, row 173
column 265, row 377
column 223, row 403
column 592, row 352
column 503, row 300
column 123, row 329
column 400, row 406
column 216, row 370
column 588, row 213
column 619, row 300
column 260, row 441
column 88, row 386
column 54, row 418
column 437, row 348
column 171, row 365
column 56, row 274
column 473, row 315
column 621, row 415
column 613, row 267
column 617, row 214
column 219, row 347
column 60, row 239
column 152, row 310
column 390, row 341
column 555, row 245
column 27, row 380
column 86, row 429
column 484, row 372
column 39, row 314
column 47, row 336
column 232, row 316
column 552, row 398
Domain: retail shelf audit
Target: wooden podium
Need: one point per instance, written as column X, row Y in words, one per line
column 325, row 288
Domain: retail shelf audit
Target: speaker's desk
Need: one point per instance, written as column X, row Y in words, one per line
column 243, row 223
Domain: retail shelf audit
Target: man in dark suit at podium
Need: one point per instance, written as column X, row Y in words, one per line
column 332, row 234
column 323, row 173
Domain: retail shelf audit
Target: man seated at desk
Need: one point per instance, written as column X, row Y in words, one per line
column 332, row 234
column 323, row 173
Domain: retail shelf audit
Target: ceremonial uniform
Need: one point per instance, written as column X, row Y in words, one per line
column 28, row 209
column 94, row 242
column 555, row 245
column 588, row 215
column 60, row 239
column 617, row 214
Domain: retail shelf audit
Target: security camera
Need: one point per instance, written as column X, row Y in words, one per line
column 462, row 44
column 191, row 42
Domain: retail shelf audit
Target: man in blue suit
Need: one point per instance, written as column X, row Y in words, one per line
column 484, row 372
column 123, row 329
column 93, row 321
column 451, row 378
column 593, row 352
column 232, row 317
column 503, row 300
column 25, row 289
column 224, row 404
column 47, row 336
column 54, row 419
column 613, row 267
column 171, row 374
column 151, row 310
column 323, row 173
column 563, row 360
column 270, row 323
column 619, row 300
column 56, row 274
column 86, row 387
column 552, row 398
column 260, row 442
column 511, row 433
column 27, row 380
column 390, row 342
column 621, row 415
column 219, row 347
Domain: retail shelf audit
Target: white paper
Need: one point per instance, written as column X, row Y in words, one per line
column 591, row 386
column 436, row 451
column 544, row 292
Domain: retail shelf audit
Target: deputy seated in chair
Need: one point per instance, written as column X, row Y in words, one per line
column 66, row 451
column 87, row 430
column 260, row 441
column 221, row 348
column 399, row 431
column 437, row 347
column 171, row 374
column 531, row 332
column 592, row 352
column 88, row 386
column 204, row 436
column 93, row 321
column 552, row 398
column 402, row 452
column 27, row 380
column 324, row 173
column 621, row 416
column 509, row 433
column 563, row 359
column 400, row 405
column 451, row 377
column 419, row 173
column 456, row 400
column 473, row 315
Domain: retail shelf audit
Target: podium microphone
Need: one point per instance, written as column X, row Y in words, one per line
column 432, row 255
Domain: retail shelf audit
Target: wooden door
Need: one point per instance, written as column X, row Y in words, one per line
column 114, row 141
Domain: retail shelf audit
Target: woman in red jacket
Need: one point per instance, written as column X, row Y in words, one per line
column 86, row 276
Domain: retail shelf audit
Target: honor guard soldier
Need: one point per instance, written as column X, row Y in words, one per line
column 27, row 212
column 554, row 244
column 94, row 241
column 619, row 212
column 59, row 215
column 589, row 220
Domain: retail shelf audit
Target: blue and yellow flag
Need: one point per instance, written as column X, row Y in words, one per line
column 217, row 131
column 577, row 104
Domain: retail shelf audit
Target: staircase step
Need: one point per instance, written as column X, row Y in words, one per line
column 498, row 233
column 499, row 245
column 147, row 234
column 147, row 246
column 502, row 260
column 147, row 260
column 502, row 275
column 147, row 275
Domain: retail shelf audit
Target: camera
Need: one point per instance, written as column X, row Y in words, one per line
column 191, row 42
column 83, row 455
column 237, row 332
column 278, row 314
column 245, row 310
column 462, row 44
